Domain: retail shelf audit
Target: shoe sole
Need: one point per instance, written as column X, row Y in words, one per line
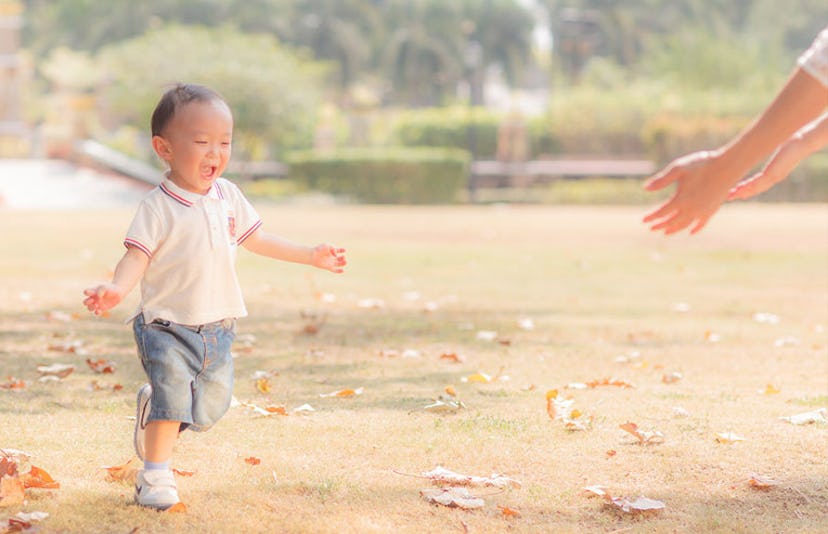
column 141, row 414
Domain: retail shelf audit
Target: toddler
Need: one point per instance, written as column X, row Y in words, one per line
column 182, row 247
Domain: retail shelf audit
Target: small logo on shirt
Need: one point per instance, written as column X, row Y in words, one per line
column 231, row 225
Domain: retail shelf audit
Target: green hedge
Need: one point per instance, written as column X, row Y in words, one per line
column 456, row 127
column 384, row 175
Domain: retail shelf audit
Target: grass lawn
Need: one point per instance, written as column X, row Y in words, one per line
column 606, row 298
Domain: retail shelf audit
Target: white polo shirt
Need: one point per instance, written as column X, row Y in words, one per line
column 192, row 241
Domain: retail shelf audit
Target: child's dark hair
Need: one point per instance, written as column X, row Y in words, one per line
column 174, row 98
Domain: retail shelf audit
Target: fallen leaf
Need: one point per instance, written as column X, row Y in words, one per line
column 480, row 378
column 252, row 460
column 766, row 318
column 177, row 508
column 453, row 498
column 69, row 346
column 486, row 335
column 526, row 323
column 728, row 437
column 609, row 382
column 123, row 473
column 38, row 478
column 101, row 366
column 679, row 412
column 305, row 409
column 761, row 482
column 600, row 491
column 60, row 370
column 442, row 476
column 263, row 385
column 183, row 473
column 815, row 416
column 444, row 405
column 770, row 389
column 450, row 391
column 11, row 490
column 267, row 411
column 13, row 383
column 671, row 378
column 610, row 453
column 452, row 357
column 508, row 512
column 644, row 438
column 344, row 393
column 640, row 506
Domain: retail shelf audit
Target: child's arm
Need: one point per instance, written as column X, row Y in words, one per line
column 322, row 256
column 127, row 273
column 801, row 145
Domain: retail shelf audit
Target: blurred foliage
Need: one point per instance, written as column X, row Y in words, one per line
column 272, row 91
column 387, row 175
column 451, row 127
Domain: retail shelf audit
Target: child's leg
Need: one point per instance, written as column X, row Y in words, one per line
column 159, row 440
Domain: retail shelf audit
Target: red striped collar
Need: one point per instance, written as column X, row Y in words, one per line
column 188, row 198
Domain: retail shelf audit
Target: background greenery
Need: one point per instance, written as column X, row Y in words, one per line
column 640, row 78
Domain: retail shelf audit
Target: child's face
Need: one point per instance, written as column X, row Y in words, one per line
column 196, row 144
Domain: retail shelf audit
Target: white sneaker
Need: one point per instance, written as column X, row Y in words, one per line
column 141, row 415
column 156, row 489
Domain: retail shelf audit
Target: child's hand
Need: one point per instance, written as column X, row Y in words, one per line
column 329, row 258
column 102, row 298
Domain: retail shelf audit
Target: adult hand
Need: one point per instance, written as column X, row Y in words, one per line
column 702, row 180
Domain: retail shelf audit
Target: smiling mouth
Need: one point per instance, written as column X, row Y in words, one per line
column 209, row 172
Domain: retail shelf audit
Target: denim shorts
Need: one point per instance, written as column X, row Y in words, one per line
column 190, row 369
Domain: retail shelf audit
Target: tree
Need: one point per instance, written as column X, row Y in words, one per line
column 273, row 92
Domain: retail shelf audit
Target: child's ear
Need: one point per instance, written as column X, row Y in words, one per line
column 162, row 147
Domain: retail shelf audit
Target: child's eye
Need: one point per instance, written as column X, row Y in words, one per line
column 201, row 142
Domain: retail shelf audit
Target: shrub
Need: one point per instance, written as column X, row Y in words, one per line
column 455, row 127
column 384, row 176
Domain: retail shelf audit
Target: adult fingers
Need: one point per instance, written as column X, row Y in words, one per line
column 663, row 178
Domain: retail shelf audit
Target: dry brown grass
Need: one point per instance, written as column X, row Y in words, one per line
column 597, row 286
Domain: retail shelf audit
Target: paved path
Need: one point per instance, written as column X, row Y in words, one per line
column 56, row 184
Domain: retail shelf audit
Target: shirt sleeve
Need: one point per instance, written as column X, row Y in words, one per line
column 145, row 231
column 247, row 219
column 815, row 60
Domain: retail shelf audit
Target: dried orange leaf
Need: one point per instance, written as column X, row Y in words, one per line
column 450, row 391
column 508, row 512
column 38, row 478
column 263, row 385
column 123, row 473
column 344, row 393
column 480, row 378
column 177, row 508
column 609, row 382
column 101, row 366
column 11, row 491
column 13, row 383
column 453, row 498
column 452, row 357
column 183, row 473
column 644, row 438
column 761, row 482
column 770, row 389
column 252, row 460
